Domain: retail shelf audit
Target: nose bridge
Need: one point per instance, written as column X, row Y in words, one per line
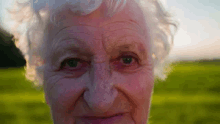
column 101, row 92
column 100, row 73
column 100, row 78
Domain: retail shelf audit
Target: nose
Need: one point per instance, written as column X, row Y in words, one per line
column 101, row 92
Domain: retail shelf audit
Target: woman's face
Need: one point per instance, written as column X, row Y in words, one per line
column 99, row 69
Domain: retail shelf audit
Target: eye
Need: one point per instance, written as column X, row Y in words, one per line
column 127, row 60
column 126, row 63
column 72, row 63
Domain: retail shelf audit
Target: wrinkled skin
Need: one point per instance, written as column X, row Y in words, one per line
column 100, row 86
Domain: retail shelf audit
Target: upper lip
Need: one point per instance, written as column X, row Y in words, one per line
column 101, row 116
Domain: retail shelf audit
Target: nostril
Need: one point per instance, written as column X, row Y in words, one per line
column 100, row 101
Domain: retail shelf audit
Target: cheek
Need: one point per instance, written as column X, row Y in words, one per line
column 138, row 89
column 63, row 93
column 137, row 86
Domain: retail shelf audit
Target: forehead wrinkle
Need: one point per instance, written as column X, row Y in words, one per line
column 127, row 32
column 71, row 34
column 74, row 26
column 124, row 23
column 60, row 31
column 110, row 33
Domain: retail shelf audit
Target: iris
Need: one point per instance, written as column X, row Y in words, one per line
column 127, row 60
column 72, row 62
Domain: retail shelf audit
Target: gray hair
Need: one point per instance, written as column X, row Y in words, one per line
column 31, row 19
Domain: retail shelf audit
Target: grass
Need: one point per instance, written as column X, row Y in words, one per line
column 189, row 95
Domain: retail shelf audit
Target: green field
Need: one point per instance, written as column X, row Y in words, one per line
column 190, row 95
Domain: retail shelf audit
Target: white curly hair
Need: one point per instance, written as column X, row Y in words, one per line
column 30, row 21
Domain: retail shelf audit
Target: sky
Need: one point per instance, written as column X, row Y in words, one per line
column 198, row 35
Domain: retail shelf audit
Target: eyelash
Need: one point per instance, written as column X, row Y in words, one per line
column 82, row 62
column 63, row 64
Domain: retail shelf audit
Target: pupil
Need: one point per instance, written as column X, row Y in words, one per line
column 127, row 60
column 72, row 63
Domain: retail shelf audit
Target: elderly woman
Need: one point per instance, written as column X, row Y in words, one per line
column 96, row 59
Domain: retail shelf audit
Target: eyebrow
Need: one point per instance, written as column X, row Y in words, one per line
column 61, row 49
column 74, row 49
column 137, row 48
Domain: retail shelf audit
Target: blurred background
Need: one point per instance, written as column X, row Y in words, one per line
column 190, row 94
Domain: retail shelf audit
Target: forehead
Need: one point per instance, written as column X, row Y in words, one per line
column 131, row 14
column 126, row 27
